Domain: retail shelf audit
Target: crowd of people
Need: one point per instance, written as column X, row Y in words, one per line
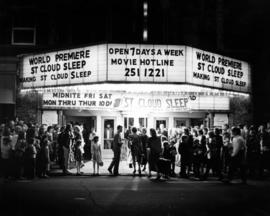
column 29, row 150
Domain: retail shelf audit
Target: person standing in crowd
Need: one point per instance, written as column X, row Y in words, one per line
column 163, row 136
column 214, row 148
column 30, row 133
column 173, row 154
column 30, row 159
column 144, row 138
column 67, row 143
column 217, row 153
column 55, row 144
column 44, row 158
column 78, row 155
column 265, row 150
column 6, row 152
column 154, row 152
column 117, row 143
column 164, row 163
column 87, row 142
column 136, row 150
column 226, row 148
column 253, row 152
column 199, row 150
column 78, row 136
column 238, row 156
column 60, row 148
column 14, row 137
column 49, row 135
column 19, row 153
column 96, row 155
column 185, row 150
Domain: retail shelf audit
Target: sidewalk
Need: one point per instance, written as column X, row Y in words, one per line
column 88, row 168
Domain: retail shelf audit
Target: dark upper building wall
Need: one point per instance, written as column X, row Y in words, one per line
column 214, row 25
column 234, row 28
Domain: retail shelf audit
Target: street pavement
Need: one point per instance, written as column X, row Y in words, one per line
column 127, row 195
column 87, row 169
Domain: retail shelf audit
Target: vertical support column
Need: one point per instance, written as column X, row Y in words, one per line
column 136, row 122
column 39, row 116
column 211, row 120
column 99, row 128
column 60, row 117
column 170, row 123
column 151, row 122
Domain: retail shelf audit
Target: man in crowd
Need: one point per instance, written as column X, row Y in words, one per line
column 238, row 156
column 117, row 143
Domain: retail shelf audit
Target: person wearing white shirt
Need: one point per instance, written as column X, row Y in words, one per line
column 238, row 155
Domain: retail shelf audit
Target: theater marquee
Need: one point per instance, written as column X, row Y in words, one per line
column 122, row 101
column 135, row 63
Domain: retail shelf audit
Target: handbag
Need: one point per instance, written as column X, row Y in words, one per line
column 100, row 163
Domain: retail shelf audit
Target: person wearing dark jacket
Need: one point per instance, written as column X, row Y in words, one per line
column 117, row 143
column 253, row 153
column 136, row 150
column 144, row 138
column 185, row 150
column 199, row 150
column 66, row 142
column 214, row 145
column 154, row 152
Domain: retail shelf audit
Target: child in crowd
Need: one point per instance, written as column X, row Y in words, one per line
column 173, row 153
column 96, row 154
column 78, row 156
column 30, row 159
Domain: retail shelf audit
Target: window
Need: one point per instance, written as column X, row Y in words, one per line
column 23, row 36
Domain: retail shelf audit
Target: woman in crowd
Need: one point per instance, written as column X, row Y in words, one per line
column 78, row 155
column 67, row 142
column 144, row 139
column 136, row 150
column 44, row 158
column 185, row 150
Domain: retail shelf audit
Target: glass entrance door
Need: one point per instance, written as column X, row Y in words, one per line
column 139, row 122
column 161, row 124
column 108, row 133
column 180, row 122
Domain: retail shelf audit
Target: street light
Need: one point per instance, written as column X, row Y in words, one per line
column 145, row 15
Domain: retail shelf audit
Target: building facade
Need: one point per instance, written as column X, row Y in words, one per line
column 32, row 26
column 141, row 85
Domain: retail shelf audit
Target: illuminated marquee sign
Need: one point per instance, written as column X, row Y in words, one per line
column 209, row 69
column 138, row 63
column 146, row 63
column 64, row 67
column 120, row 101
